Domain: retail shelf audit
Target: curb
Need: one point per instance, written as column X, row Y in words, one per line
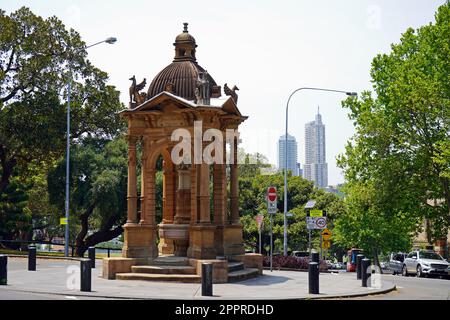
column 390, row 288
column 393, row 287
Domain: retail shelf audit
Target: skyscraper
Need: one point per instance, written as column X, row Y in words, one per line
column 292, row 154
column 316, row 167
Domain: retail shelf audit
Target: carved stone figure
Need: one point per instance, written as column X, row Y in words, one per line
column 202, row 92
column 231, row 92
column 135, row 96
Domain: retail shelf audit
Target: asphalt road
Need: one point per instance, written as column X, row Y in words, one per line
column 413, row 288
column 17, row 295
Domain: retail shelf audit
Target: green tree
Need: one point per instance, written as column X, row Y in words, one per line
column 252, row 197
column 15, row 218
column 98, row 190
column 398, row 158
column 37, row 58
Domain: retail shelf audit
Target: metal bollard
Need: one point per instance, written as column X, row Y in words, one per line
column 3, row 270
column 91, row 256
column 315, row 257
column 85, row 274
column 313, row 277
column 359, row 258
column 207, row 279
column 31, row 258
column 364, row 274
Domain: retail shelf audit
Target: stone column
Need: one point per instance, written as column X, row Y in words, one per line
column 132, row 183
column 140, row 239
column 180, row 228
column 201, row 233
column 233, row 235
column 148, row 213
column 166, row 244
column 168, row 195
column 204, row 196
column 234, row 185
column 220, row 187
column 183, row 210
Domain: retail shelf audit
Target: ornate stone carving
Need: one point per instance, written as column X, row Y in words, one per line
column 135, row 95
column 231, row 92
column 202, row 90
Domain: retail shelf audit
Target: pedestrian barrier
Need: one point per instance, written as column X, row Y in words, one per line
column 3, row 270
column 313, row 278
column 359, row 258
column 365, row 274
column 85, row 274
column 207, row 279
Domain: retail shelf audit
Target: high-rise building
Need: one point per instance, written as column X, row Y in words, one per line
column 291, row 156
column 315, row 168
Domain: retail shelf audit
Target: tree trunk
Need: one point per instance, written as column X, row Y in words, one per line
column 96, row 238
column 79, row 241
column 7, row 169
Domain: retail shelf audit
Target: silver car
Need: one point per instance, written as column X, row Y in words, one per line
column 423, row 263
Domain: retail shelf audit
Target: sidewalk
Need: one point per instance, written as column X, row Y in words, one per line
column 61, row 276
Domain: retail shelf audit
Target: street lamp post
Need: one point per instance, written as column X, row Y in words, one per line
column 109, row 40
column 286, row 154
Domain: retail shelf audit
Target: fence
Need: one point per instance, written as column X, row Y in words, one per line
column 71, row 246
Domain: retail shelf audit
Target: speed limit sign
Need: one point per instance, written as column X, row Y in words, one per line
column 321, row 222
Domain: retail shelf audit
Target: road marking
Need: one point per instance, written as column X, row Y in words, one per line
column 71, row 297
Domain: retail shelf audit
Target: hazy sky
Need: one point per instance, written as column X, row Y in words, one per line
column 266, row 48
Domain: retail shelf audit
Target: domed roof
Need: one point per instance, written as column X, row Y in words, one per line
column 184, row 36
column 182, row 75
column 183, row 72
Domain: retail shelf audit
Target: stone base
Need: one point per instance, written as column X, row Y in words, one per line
column 251, row 260
column 165, row 246
column 201, row 242
column 220, row 269
column 178, row 234
column 139, row 242
column 111, row 266
column 233, row 243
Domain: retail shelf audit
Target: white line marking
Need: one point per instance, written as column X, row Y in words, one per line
column 71, row 297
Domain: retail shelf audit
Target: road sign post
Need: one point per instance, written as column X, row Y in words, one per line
column 271, row 209
column 271, row 244
column 259, row 221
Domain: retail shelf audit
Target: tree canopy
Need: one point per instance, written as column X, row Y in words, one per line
column 398, row 159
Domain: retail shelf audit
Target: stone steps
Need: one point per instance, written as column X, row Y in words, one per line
column 170, row 261
column 184, row 278
column 242, row 275
column 235, row 266
column 163, row 269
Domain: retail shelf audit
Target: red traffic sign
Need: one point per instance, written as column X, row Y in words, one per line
column 272, row 194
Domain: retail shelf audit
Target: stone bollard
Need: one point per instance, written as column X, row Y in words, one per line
column 3, row 270
column 31, row 258
column 364, row 274
column 207, row 279
column 359, row 258
column 91, row 256
column 85, row 274
column 313, row 277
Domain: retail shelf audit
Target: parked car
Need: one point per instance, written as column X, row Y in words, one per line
column 396, row 262
column 300, row 254
column 425, row 262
